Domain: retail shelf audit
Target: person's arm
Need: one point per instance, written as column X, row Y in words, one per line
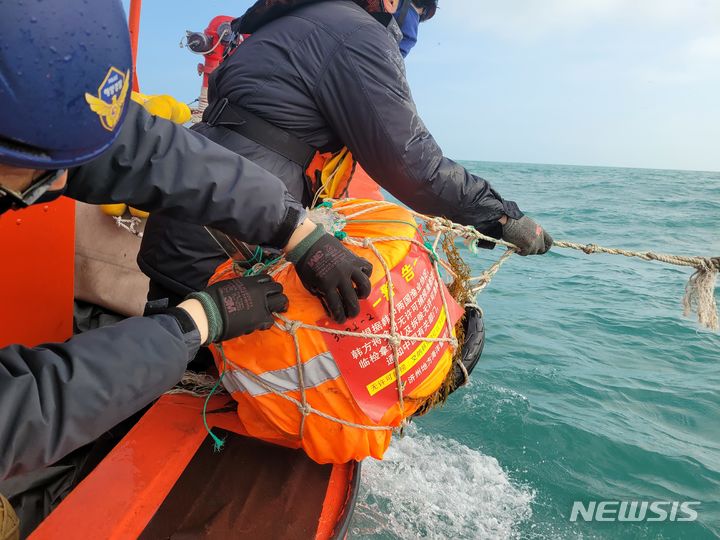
column 157, row 165
column 365, row 96
column 56, row 397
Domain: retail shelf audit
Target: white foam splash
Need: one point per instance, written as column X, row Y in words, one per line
column 433, row 487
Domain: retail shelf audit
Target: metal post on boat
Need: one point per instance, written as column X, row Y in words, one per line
column 134, row 25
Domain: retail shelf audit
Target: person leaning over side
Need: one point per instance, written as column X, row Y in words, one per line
column 67, row 127
column 337, row 80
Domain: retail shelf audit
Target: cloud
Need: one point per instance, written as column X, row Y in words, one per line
column 705, row 48
column 667, row 42
column 535, row 19
column 696, row 62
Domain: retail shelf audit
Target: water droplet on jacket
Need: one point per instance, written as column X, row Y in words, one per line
column 33, row 20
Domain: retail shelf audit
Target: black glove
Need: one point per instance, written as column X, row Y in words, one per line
column 238, row 306
column 528, row 236
column 333, row 273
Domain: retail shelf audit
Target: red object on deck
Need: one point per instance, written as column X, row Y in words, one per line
column 37, row 273
column 213, row 59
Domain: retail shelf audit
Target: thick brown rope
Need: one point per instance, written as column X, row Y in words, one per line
column 699, row 291
column 699, row 295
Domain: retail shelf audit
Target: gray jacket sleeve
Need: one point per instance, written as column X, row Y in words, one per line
column 57, row 397
column 380, row 125
column 155, row 164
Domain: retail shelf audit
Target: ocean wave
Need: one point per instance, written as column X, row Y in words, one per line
column 434, row 487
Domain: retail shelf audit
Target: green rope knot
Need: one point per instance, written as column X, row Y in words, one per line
column 431, row 249
column 324, row 204
column 471, row 245
column 340, row 235
column 257, row 256
column 218, row 443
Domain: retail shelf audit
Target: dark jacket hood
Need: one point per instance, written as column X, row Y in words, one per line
column 264, row 11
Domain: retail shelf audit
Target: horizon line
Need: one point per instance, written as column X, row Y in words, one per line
column 591, row 166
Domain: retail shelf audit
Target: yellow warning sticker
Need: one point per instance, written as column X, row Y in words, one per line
column 406, row 365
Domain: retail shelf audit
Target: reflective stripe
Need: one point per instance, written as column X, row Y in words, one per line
column 316, row 371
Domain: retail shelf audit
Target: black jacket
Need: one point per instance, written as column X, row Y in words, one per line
column 56, row 397
column 332, row 75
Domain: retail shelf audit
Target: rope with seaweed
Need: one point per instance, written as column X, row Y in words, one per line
column 463, row 288
column 699, row 292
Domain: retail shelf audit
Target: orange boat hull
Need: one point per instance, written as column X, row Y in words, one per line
column 163, row 479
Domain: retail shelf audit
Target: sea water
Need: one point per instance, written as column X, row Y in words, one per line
column 592, row 386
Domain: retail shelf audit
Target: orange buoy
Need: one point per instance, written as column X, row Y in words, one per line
column 332, row 389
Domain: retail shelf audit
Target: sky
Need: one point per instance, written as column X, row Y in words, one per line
column 626, row 83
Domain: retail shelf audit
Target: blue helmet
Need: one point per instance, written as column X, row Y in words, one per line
column 65, row 78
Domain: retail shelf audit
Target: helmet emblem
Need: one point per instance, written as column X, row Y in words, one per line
column 110, row 99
